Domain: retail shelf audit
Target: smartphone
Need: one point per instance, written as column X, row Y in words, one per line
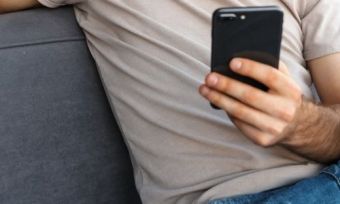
column 248, row 32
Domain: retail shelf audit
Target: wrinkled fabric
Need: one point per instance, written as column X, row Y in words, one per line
column 154, row 54
column 321, row 189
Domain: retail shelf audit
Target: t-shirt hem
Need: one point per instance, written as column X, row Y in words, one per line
column 50, row 3
column 321, row 52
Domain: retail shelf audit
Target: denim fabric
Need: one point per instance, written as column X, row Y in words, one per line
column 321, row 189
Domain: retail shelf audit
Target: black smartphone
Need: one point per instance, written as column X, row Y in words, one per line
column 249, row 32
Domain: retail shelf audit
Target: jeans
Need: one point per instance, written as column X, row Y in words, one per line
column 321, row 189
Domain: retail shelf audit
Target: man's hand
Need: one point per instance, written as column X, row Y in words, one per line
column 261, row 116
column 277, row 117
column 16, row 5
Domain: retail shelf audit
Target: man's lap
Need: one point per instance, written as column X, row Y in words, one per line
column 323, row 188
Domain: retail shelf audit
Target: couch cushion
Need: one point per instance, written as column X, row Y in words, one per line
column 38, row 26
column 59, row 141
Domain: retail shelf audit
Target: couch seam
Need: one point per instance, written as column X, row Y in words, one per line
column 42, row 42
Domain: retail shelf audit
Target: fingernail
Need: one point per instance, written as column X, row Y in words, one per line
column 204, row 91
column 235, row 64
column 212, row 80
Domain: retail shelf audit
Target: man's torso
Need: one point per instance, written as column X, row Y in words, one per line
column 152, row 56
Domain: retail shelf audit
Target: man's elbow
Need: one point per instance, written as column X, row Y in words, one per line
column 5, row 6
column 2, row 6
column 16, row 5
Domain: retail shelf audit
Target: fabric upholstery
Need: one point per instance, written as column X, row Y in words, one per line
column 59, row 141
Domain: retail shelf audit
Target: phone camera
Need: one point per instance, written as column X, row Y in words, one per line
column 228, row 17
column 243, row 17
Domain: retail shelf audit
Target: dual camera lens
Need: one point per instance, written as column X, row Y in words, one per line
column 232, row 17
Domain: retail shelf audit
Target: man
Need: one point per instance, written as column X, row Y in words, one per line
column 154, row 54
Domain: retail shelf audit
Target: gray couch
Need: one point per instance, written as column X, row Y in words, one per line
column 59, row 141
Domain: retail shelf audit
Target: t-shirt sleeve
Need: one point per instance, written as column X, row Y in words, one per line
column 57, row 3
column 321, row 28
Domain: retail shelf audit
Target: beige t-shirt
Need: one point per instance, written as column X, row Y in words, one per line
column 153, row 55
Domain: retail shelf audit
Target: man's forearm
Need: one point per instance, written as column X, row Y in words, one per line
column 15, row 5
column 315, row 132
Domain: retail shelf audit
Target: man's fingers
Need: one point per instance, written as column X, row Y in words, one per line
column 243, row 112
column 251, row 96
column 265, row 74
column 257, row 136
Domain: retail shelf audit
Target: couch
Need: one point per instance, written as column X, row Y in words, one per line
column 59, row 141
